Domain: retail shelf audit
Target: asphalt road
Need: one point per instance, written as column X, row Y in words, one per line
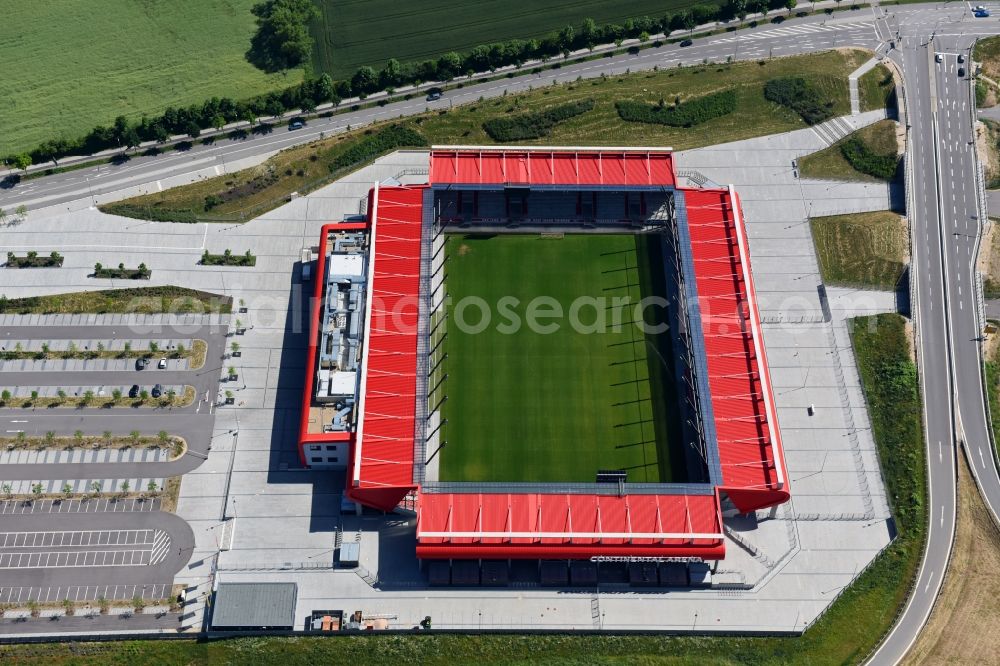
column 946, row 221
column 814, row 33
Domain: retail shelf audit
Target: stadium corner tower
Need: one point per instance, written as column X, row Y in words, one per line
column 382, row 360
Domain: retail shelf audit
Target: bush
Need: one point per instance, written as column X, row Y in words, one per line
column 863, row 159
column 800, row 96
column 372, row 146
column 688, row 114
column 534, row 125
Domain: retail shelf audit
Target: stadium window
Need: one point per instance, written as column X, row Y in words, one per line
column 331, row 447
column 315, row 447
column 332, row 460
column 316, row 460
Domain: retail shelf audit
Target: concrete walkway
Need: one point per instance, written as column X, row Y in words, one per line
column 852, row 81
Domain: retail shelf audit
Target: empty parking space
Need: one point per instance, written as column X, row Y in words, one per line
column 84, row 548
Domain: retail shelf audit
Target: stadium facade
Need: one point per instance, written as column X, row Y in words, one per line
column 365, row 406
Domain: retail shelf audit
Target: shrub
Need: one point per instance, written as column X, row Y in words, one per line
column 536, row 124
column 691, row 113
column 376, row 144
column 800, row 96
column 863, row 159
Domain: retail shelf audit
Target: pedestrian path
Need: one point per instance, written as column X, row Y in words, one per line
column 852, row 81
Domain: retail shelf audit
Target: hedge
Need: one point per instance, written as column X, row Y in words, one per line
column 536, row 124
column 800, row 96
column 687, row 114
column 378, row 143
column 863, row 159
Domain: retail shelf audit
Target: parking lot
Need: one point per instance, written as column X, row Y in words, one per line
column 80, row 547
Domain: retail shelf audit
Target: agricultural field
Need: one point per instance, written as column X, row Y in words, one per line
column 304, row 168
column 70, row 65
column 536, row 405
column 352, row 33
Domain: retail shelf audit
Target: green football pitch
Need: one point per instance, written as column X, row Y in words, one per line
column 556, row 407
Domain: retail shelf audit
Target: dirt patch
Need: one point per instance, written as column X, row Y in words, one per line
column 962, row 627
column 463, row 250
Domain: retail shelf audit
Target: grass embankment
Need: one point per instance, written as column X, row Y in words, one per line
column 962, row 627
column 303, row 168
column 876, row 89
column 350, row 34
column 863, row 250
column 987, row 53
column 89, row 399
column 871, row 154
column 142, row 300
column 560, row 400
column 128, row 58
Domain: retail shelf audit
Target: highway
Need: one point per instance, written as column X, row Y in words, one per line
column 945, row 217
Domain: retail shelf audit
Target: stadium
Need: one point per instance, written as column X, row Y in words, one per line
column 544, row 353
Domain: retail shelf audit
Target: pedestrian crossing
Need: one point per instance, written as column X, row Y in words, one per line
column 796, row 30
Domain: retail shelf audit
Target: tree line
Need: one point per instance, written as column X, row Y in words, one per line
column 217, row 112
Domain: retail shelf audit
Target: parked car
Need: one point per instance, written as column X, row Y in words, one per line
column 141, row 363
column 157, row 390
column 162, row 365
column 134, row 391
column 686, row 42
column 938, row 57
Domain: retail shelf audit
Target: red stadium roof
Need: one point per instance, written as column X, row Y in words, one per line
column 560, row 524
column 749, row 443
column 382, row 457
column 533, row 525
column 597, row 167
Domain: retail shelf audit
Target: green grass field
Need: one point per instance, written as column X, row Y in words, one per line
column 352, row 33
column 863, row 250
column 69, row 65
column 556, row 407
column 830, row 162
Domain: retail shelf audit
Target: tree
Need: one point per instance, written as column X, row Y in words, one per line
column 88, row 397
column 192, row 129
column 36, row 489
column 153, row 346
column 95, row 487
column 78, row 437
column 21, row 211
column 125, row 487
column 61, row 393
column 218, row 122
column 34, row 396
column 164, row 437
column 282, row 40
column 181, row 349
column 98, row 267
column 107, row 436
column 67, row 489
column 136, row 437
column 116, row 395
column 152, row 488
column 21, row 161
column 364, row 81
column 143, row 395
column 790, row 5
column 143, row 269
column 128, row 347
column 5, row 396
column 235, row 346
column 50, row 437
